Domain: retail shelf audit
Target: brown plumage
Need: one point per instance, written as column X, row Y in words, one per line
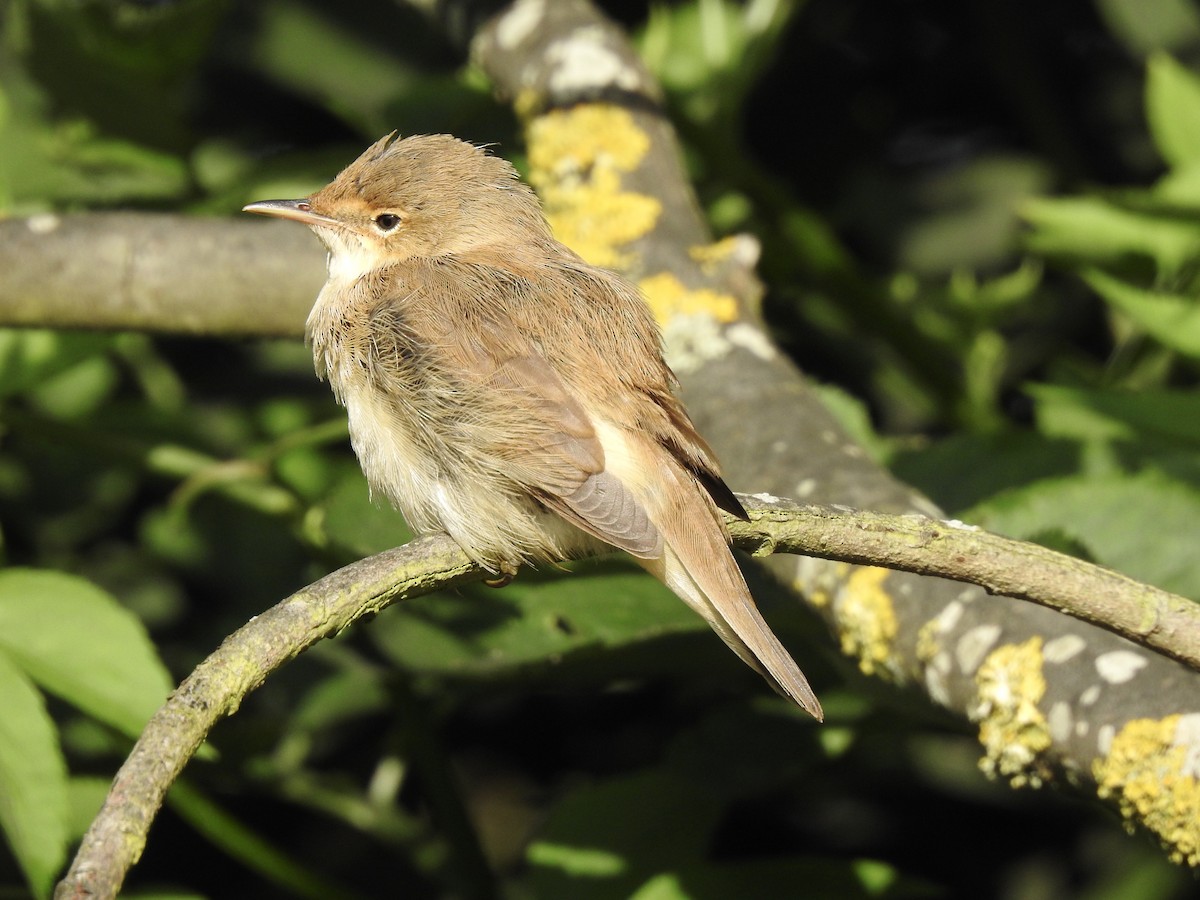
column 505, row 392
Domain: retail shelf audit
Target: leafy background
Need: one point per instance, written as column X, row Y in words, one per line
column 980, row 232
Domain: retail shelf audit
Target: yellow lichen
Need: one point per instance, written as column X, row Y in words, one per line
column 527, row 102
column 929, row 642
column 669, row 297
column 712, row 256
column 1012, row 729
column 1147, row 773
column 866, row 619
column 577, row 159
column 819, row 580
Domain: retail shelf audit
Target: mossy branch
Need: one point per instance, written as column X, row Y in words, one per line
column 113, row 844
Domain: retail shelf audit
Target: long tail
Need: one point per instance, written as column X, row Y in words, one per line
column 699, row 567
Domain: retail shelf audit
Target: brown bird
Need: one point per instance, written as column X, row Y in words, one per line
column 505, row 392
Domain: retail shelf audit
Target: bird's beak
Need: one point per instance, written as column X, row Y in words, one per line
column 300, row 210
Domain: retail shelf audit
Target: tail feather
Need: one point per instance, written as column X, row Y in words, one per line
column 695, row 560
column 698, row 566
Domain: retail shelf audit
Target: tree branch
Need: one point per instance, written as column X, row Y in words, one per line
column 158, row 273
column 218, row 685
column 1153, row 618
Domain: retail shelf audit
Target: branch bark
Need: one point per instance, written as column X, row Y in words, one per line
column 1153, row 618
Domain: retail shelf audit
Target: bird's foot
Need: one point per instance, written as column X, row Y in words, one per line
column 507, row 572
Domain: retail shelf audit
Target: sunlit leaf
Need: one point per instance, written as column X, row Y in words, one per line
column 1124, row 520
column 1094, row 230
column 1091, row 414
column 1173, row 109
column 33, row 779
column 1173, row 319
column 76, row 641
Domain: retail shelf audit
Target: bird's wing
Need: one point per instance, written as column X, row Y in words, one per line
column 556, row 454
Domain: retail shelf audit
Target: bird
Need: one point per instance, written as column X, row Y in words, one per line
column 503, row 391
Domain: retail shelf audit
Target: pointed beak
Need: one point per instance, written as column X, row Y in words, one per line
column 300, row 210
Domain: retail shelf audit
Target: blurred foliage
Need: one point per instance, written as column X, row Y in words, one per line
column 980, row 231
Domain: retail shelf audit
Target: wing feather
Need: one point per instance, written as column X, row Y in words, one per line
column 561, row 460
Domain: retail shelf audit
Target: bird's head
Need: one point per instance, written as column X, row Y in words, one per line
column 422, row 196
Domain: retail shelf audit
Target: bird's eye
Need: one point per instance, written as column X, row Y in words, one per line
column 387, row 221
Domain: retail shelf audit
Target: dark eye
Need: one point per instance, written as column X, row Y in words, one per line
column 387, row 221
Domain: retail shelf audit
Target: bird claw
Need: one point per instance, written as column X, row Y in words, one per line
column 503, row 577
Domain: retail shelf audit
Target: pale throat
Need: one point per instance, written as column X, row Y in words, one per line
column 351, row 256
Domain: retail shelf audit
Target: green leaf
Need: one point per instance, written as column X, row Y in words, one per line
column 85, row 796
column 68, row 163
column 30, row 358
column 77, row 391
column 338, row 698
column 1173, row 319
column 481, row 631
column 1173, row 109
column 969, row 215
column 854, row 416
column 1179, row 189
column 76, row 641
column 707, row 54
column 1095, row 230
column 965, row 469
column 247, row 846
column 33, row 780
column 358, row 79
column 767, row 878
column 1145, row 525
column 1084, row 414
column 358, row 524
column 594, row 846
